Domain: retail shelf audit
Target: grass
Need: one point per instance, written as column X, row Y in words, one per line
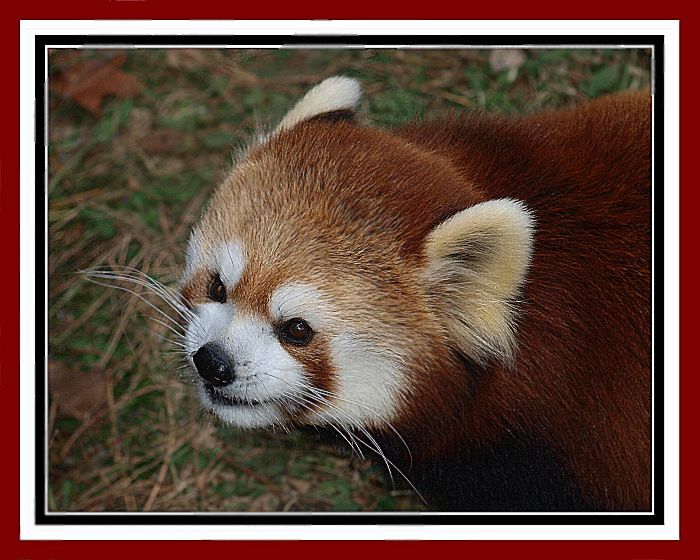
column 125, row 187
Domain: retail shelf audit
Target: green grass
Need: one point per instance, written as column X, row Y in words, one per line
column 125, row 187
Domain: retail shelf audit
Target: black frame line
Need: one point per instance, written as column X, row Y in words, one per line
column 361, row 518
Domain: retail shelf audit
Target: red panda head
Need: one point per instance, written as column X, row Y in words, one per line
column 339, row 271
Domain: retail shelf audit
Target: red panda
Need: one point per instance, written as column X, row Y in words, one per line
column 469, row 298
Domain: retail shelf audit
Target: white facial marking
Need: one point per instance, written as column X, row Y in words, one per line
column 230, row 263
column 227, row 259
column 257, row 416
column 306, row 302
column 194, row 254
column 211, row 324
column 369, row 381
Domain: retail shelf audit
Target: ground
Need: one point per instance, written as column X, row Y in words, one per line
column 137, row 141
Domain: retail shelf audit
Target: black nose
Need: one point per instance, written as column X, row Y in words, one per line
column 213, row 365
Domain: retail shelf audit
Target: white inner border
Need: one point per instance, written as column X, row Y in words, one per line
column 28, row 31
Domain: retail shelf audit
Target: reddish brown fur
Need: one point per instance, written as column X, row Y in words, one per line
column 317, row 365
column 584, row 366
column 581, row 381
column 196, row 288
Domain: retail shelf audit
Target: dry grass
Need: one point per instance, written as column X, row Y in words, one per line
column 126, row 183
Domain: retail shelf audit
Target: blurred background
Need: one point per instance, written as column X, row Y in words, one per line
column 137, row 141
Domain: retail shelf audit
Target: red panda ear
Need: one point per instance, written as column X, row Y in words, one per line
column 334, row 99
column 477, row 261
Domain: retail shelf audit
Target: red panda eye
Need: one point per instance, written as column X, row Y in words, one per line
column 297, row 331
column 217, row 290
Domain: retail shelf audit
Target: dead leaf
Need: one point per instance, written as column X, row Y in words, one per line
column 77, row 393
column 507, row 59
column 88, row 82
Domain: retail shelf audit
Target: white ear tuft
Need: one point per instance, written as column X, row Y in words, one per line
column 333, row 94
column 477, row 261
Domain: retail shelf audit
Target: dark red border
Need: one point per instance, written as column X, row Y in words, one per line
column 10, row 545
